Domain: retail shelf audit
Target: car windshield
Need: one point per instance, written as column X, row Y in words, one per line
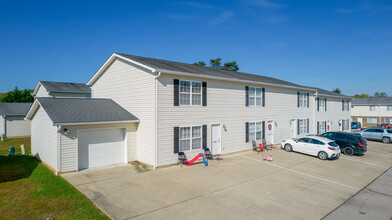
column 389, row 131
column 333, row 144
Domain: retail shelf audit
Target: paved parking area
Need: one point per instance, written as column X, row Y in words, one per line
column 292, row 186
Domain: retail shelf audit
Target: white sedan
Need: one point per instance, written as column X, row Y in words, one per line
column 321, row 147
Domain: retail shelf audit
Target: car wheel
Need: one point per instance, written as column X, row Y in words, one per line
column 288, row 147
column 348, row 151
column 386, row 140
column 322, row 155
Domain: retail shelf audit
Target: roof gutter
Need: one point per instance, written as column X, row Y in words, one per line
column 233, row 80
column 95, row 122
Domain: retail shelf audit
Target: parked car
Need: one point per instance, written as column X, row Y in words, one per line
column 321, row 147
column 356, row 125
column 349, row 143
column 376, row 134
column 385, row 126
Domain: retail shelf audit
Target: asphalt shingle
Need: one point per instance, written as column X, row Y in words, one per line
column 14, row 108
column 66, row 87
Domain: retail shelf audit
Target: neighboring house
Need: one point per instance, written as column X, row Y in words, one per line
column 183, row 107
column 62, row 90
column 372, row 111
column 12, row 123
column 332, row 112
column 73, row 134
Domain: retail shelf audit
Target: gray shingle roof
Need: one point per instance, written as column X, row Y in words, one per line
column 372, row 101
column 66, row 87
column 14, row 108
column 74, row 110
column 207, row 71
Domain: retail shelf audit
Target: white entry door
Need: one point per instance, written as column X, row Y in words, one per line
column 329, row 126
column 216, row 139
column 360, row 120
column 270, row 132
column 293, row 126
column 100, row 147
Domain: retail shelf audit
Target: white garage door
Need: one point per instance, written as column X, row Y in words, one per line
column 100, row 148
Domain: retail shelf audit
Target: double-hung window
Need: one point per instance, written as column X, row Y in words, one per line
column 372, row 120
column 388, row 120
column 389, row 107
column 372, row 108
column 255, row 96
column 303, row 126
column 346, row 105
column 255, row 131
column 321, row 104
column 190, row 92
column 190, row 138
column 303, row 99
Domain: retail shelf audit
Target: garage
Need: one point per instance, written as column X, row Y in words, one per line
column 97, row 148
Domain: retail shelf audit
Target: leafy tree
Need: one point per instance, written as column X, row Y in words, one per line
column 361, row 96
column 217, row 64
column 337, row 90
column 200, row 63
column 380, row 94
column 17, row 95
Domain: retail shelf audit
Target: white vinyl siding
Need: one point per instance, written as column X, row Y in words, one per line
column 44, row 138
column 16, row 126
column 1, row 125
column 68, row 151
column 255, row 131
column 372, row 108
column 190, row 92
column 303, row 99
column 225, row 106
column 372, row 120
column 255, row 96
column 190, row 138
column 303, row 126
column 132, row 88
column 42, row 92
column 333, row 114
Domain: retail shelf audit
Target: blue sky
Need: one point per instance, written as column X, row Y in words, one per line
column 327, row 44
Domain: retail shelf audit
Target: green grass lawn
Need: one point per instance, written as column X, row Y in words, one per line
column 29, row 190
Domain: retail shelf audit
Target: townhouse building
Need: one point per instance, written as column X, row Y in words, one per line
column 372, row 111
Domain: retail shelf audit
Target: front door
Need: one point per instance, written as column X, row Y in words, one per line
column 329, row 126
column 216, row 147
column 292, row 128
column 270, row 132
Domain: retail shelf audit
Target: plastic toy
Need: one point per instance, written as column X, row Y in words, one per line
column 197, row 157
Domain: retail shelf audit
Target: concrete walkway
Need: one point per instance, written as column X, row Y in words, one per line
column 373, row 202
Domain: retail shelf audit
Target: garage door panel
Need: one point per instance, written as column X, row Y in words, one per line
column 100, row 148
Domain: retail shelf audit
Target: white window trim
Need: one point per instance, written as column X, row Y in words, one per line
column 321, row 128
column 190, row 92
column 190, row 138
column 305, row 125
column 255, row 132
column 255, row 96
column 303, row 101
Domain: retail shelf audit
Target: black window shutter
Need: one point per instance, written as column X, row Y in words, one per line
column 318, row 127
column 297, row 126
column 263, row 125
column 247, row 96
column 298, row 99
column 308, row 126
column 325, row 104
column 204, row 93
column 342, row 105
column 204, row 136
column 263, row 96
column 325, row 126
column 318, row 104
column 176, row 139
column 247, row 132
column 307, row 94
column 176, row 83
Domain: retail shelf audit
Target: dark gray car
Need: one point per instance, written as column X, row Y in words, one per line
column 376, row 134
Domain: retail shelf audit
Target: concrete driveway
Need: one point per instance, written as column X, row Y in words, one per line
column 241, row 186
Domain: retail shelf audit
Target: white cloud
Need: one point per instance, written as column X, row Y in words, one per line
column 223, row 17
column 266, row 4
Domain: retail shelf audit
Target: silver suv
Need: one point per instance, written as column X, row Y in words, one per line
column 377, row 134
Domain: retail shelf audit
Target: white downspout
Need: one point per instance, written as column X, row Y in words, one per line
column 379, row 113
column 156, row 120
column 314, row 112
